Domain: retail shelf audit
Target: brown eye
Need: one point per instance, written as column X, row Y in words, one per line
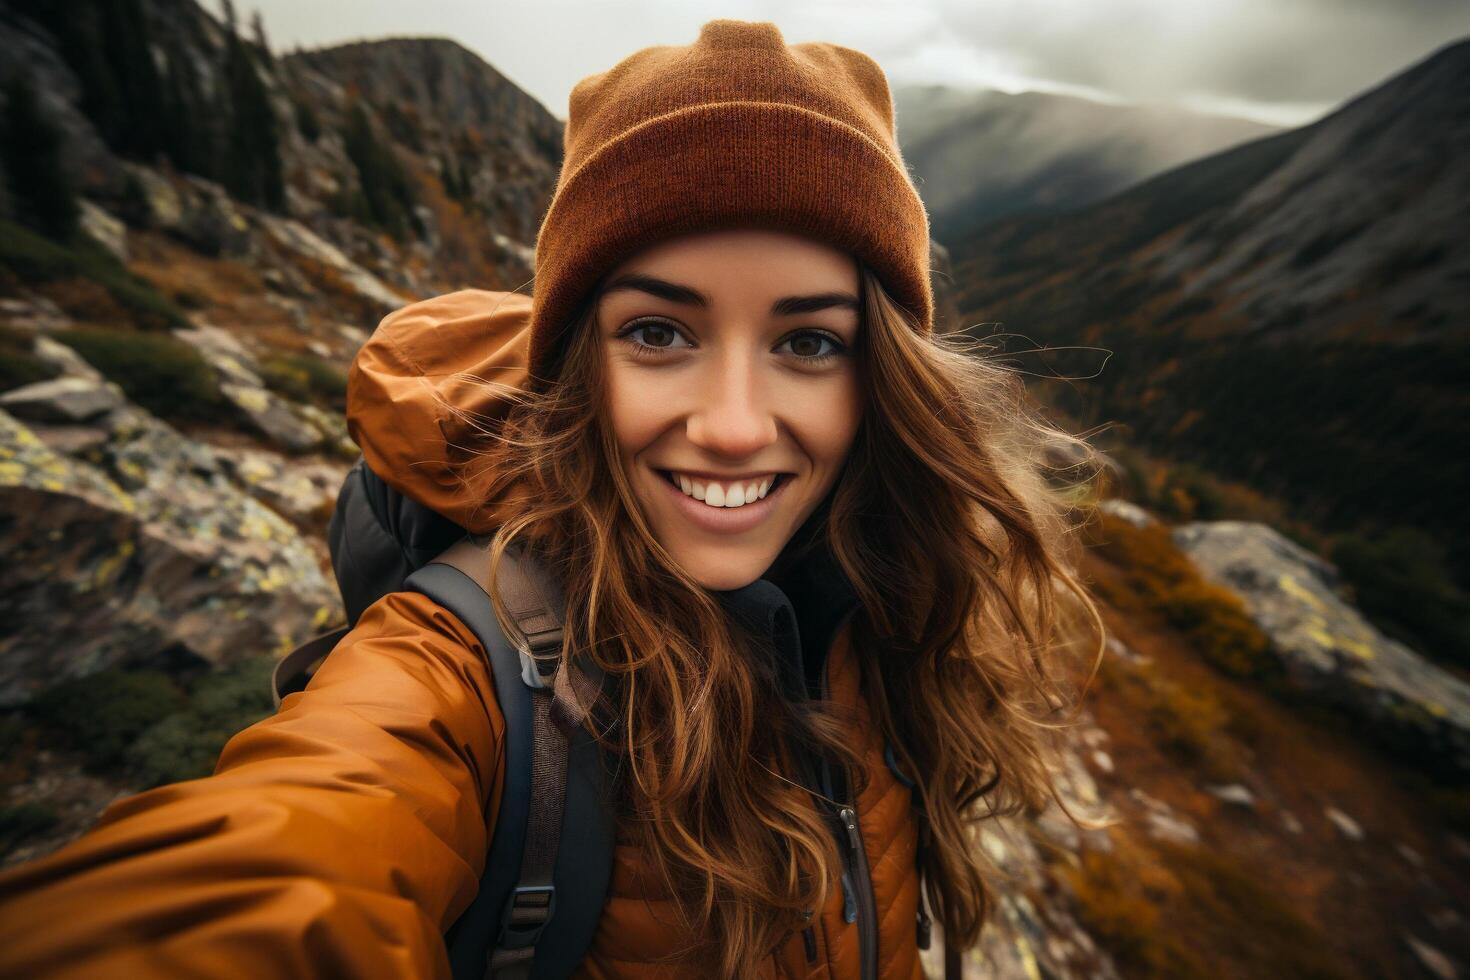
column 808, row 346
column 657, row 334
column 657, row 337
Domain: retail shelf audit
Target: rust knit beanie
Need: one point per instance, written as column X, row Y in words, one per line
column 738, row 129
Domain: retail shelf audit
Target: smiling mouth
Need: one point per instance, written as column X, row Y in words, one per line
column 703, row 489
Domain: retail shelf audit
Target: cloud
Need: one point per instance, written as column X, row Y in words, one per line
column 1279, row 60
column 1281, row 52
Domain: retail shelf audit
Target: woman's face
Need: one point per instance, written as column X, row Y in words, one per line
column 732, row 373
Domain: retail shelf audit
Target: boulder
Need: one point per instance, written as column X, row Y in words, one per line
column 152, row 555
column 63, row 400
column 1331, row 653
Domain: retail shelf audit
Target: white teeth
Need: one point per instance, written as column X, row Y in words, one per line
column 718, row 495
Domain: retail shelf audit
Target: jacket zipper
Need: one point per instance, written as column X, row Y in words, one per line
column 855, row 861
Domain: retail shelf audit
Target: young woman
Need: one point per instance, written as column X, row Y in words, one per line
column 726, row 387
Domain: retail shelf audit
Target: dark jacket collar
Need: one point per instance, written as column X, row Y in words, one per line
column 797, row 606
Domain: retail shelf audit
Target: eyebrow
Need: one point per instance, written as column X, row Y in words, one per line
column 676, row 293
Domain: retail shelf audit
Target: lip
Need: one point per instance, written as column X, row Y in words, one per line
column 723, row 520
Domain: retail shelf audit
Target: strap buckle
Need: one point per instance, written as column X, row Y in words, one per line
column 527, row 911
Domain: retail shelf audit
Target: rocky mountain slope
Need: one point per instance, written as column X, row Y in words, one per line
column 171, row 442
column 982, row 156
column 1288, row 313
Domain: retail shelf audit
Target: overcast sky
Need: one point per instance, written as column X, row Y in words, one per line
column 1280, row 61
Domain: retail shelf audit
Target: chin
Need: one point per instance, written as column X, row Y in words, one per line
column 723, row 569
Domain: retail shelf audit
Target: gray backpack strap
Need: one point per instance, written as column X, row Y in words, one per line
column 550, row 855
column 290, row 673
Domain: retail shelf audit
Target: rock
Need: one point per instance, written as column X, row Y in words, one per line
column 1127, row 511
column 35, row 313
column 108, row 231
column 1344, row 823
column 194, row 210
column 1123, row 652
column 152, row 552
column 301, row 492
column 239, row 378
column 273, row 416
column 63, row 359
column 1409, row 854
column 1161, row 822
column 1102, row 760
column 1431, row 959
column 1235, row 794
column 1331, row 653
column 71, row 440
column 304, row 242
column 223, row 351
column 1290, row 822
column 64, row 400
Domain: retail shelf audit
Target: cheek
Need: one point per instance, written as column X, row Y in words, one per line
column 825, row 420
column 633, row 408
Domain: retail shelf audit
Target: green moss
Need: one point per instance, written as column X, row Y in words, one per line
column 100, row 715
column 159, row 372
column 187, row 745
column 306, row 378
column 31, row 258
column 21, row 821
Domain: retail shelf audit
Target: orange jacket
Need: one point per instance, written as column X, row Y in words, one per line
column 344, row 834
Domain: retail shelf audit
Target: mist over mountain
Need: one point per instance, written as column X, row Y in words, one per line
column 1291, row 312
column 981, row 156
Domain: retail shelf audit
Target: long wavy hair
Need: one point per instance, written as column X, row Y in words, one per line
column 956, row 536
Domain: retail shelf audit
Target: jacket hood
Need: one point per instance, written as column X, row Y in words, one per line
column 427, row 383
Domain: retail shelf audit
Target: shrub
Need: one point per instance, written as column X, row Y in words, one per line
column 1246, row 918
column 1159, row 578
column 160, row 372
column 1185, row 722
column 1403, row 583
column 187, row 745
column 1122, row 901
column 34, row 259
column 21, row 821
column 306, row 378
column 100, row 715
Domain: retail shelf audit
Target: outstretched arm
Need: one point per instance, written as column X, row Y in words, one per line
column 339, row 837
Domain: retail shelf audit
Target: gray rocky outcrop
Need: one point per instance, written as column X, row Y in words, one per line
column 141, row 549
column 1024, row 939
column 1330, row 652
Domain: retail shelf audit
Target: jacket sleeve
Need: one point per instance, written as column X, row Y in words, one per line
column 339, row 837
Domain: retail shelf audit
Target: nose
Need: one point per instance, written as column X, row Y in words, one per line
column 733, row 417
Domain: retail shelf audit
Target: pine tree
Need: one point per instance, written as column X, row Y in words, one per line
column 252, row 169
column 42, row 194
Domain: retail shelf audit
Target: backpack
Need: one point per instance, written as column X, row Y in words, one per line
column 550, row 855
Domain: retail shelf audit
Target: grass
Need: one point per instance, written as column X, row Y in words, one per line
column 1182, row 910
column 157, row 371
column 150, row 726
column 1158, row 579
column 306, row 378
column 30, row 258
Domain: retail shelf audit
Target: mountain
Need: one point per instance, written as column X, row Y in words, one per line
column 1290, row 313
column 981, row 156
